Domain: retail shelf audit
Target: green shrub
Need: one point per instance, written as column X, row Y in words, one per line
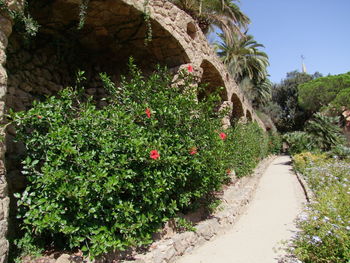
column 247, row 144
column 103, row 179
column 297, row 142
column 324, row 234
column 275, row 143
column 322, row 133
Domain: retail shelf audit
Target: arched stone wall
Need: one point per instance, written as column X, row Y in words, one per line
column 211, row 80
column 249, row 115
column 113, row 31
column 237, row 107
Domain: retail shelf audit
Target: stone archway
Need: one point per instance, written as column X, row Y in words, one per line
column 114, row 30
column 237, row 107
column 211, row 81
column 249, row 115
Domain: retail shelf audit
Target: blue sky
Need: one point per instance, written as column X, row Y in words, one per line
column 317, row 29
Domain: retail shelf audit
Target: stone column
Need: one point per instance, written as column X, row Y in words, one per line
column 5, row 31
column 226, row 106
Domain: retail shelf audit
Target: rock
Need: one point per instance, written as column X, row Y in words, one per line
column 64, row 258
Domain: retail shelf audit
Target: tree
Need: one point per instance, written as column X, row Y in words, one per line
column 247, row 65
column 243, row 58
column 285, row 95
column 222, row 13
column 325, row 93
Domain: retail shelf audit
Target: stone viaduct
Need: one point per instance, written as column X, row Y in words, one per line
column 114, row 30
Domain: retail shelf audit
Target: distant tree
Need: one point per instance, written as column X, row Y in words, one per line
column 325, row 93
column 285, row 94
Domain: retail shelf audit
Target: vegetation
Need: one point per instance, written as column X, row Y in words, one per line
column 224, row 14
column 102, row 179
column 24, row 22
column 324, row 234
column 247, row 65
column 243, row 58
column 284, row 108
column 322, row 133
column 326, row 92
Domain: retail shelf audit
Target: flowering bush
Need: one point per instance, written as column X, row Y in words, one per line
column 103, row 179
column 325, row 225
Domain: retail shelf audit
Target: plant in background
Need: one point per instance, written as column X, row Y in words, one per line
column 298, row 142
column 324, row 131
column 321, row 134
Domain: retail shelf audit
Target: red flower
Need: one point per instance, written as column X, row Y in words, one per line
column 148, row 113
column 190, row 68
column 154, row 154
column 40, row 117
column 193, row 150
column 228, row 171
column 222, row 135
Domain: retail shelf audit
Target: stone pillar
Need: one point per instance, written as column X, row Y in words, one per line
column 5, row 31
column 226, row 106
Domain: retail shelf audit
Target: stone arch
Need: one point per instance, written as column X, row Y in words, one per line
column 211, row 81
column 249, row 115
column 237, row 108
column 113, row 31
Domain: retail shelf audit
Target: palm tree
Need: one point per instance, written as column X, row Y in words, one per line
column 243, row 58
column 221, row 13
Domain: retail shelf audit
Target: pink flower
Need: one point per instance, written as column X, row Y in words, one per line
column 193, row 150
column 154, row 154
column 40, row 117
column 148, row 113
column 190, row 68
column 223, row 135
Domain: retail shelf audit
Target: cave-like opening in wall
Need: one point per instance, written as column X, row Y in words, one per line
column 113, row 32
column 249, row 115
column 211, row 81
column 237, row 108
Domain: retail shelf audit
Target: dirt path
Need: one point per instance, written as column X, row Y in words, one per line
column 267, row 221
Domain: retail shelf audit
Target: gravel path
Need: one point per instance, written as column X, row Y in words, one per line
column 267, row 221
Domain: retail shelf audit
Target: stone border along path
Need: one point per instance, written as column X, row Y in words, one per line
column 278, row 180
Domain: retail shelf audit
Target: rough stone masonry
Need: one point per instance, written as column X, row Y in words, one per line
column 113, row 31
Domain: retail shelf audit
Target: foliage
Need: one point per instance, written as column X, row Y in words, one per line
column 324, row 131
column 275, row 143
column 104, row 179
column 324, row 234
column 82, row 13
column 321, row 92
column 340, row 151
column 23, row 20
column 247, row 65
column 243, row 58
column 340, row 102
column 321, row 134
column 248, row 144
column 224, row 14
column 298, row 141
column 290, row 116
